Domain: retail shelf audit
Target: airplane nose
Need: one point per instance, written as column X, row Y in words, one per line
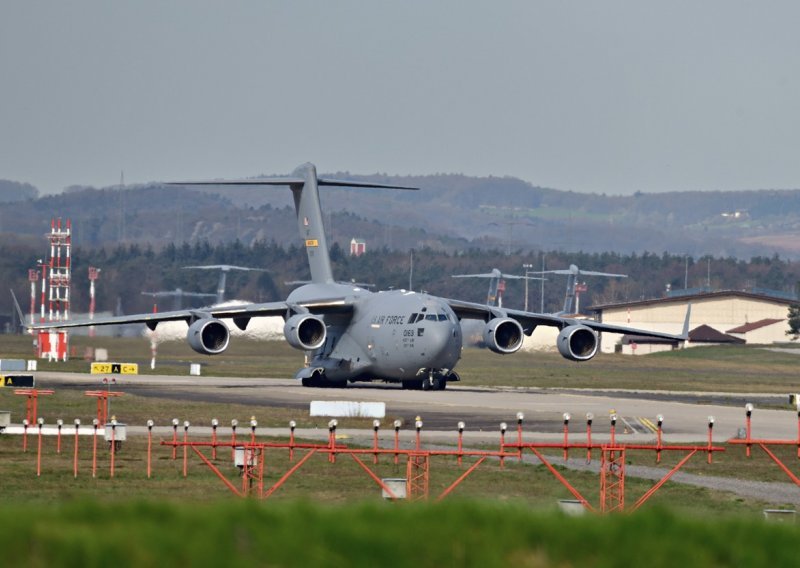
column 442, row 348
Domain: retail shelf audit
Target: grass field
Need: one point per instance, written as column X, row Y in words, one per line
column 89, row 534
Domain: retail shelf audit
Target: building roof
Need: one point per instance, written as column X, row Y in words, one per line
column 754, row 325
column 707, row 334
column 702, row 296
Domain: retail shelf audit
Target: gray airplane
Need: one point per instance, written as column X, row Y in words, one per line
column 496, row 284
column 352, row 334
column 573, row 273
column 223, row 275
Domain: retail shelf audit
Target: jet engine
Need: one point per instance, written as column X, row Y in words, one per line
column 305, row 331
column 503, row 335
column 577, row 343
column 208, row 336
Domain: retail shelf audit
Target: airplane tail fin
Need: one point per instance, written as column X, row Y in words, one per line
column 304, row 184
column 685, row 331
column 20, row 315
column 223, row 276
column 569, row 297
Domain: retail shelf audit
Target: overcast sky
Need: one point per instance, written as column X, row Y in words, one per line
column 593, row 96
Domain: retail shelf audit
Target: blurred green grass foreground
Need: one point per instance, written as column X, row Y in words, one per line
column 458, row 533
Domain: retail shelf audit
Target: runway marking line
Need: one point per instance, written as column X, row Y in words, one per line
column 647, row 423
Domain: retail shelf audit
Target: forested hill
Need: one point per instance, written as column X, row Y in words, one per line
column 14, row 191
column 451, row 212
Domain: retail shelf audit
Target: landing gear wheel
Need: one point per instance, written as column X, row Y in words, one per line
column 315, row 380
column 434, row 381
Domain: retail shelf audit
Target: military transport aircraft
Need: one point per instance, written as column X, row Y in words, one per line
column 573, row 273
column 352, row 334
column 497, row 284
column 223, row 275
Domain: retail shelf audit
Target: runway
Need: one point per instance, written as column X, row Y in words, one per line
column 686, row 414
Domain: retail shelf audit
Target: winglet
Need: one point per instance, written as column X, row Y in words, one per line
column 685, row 333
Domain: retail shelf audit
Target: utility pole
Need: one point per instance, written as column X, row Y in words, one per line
column 411, row 273
column 527, row 267
column 541, row 307
column 686, row 272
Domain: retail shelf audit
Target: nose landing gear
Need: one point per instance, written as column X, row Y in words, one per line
column 434, row 381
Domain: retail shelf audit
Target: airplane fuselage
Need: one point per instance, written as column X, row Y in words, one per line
column 395, row 335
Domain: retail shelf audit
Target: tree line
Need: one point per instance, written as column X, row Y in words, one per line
column 127, row 270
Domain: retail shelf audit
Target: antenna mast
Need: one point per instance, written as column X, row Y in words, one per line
column 411, row 273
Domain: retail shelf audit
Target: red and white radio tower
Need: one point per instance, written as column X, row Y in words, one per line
column 60, row 275
column 93, row 274
column 44, row 289
column 56, row 280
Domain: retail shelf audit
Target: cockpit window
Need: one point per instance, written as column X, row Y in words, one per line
column 412, row 318
column 431, row 317
column 442, row 317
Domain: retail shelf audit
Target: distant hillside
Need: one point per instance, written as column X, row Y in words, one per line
column 11, row 191
column 451, row 212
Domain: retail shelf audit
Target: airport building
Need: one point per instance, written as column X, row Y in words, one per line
column 717, row 318
column 357, row 246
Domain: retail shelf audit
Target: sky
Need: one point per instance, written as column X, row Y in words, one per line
column 608, row 97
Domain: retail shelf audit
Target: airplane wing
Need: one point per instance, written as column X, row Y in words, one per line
column 529, row 320
column 224, row 267
column 243, row 312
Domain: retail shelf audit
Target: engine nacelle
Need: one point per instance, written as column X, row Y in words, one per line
column 208, row 336
column 577, row 343
column 305, row 331
column 503, row 335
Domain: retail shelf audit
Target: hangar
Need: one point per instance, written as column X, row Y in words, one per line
column 753, row 318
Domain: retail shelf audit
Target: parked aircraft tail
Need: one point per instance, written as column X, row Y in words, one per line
column 685, row 331
column 20, row 315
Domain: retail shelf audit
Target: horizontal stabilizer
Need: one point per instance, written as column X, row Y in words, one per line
column 295, row 181
column 223, row 267
column 170, row 294
column 504, row 276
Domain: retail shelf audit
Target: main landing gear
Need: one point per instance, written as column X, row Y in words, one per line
column 319, row 380
column 434, row 381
